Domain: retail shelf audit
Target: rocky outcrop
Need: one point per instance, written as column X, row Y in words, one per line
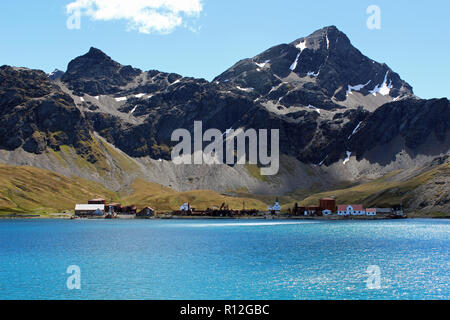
column 413, row 120
column 56, row 75
column 35, row 114
column 96, row 73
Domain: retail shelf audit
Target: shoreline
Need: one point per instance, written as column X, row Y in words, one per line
column 327, row 218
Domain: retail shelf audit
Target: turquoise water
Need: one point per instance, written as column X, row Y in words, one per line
column 172, row 259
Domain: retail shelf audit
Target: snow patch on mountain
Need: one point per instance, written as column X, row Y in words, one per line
column 355, row 130
column 262, row 65
column 384, row 89
column 322, row 162
column 313, row 108
column 133, row 110
column 301, row 46
column 294, row 64
column 245, row 89
column 349, row 154
column 356, row 88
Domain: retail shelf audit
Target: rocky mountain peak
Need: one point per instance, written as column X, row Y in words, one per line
column 96, row 73
column 93, row 63
column 95, row 53
column 326, row 38
column 323, row 69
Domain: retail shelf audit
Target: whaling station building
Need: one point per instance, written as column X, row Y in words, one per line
column 328, row 206
column 99, row 207
column 89, row 210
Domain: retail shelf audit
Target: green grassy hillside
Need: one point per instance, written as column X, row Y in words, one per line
column 385, row 191
column 143, row 193
column 33, row 190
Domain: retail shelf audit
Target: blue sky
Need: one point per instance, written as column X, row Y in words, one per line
column 414, row 39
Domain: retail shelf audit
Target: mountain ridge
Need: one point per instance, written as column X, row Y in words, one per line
column 342, row 118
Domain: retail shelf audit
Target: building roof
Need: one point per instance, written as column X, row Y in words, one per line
column 89, row 207
column 371, row 210
column 356, row 207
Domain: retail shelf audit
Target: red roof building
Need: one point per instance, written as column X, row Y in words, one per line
column 356, row 207
column 351, row 210
column 97, row 201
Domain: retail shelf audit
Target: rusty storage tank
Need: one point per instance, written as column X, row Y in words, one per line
column 328, row 204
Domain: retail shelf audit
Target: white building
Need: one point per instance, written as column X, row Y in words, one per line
column 327, row 212
column 351, row 210
column 89, row 209
column 276, row 207
column 185, row 207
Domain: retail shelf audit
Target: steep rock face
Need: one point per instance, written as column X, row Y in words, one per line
column 304, row 134
column 174, row 107
column 96, row 73
column 323, row 70
column 35, row 114
column 325, row 97
column 18, row 85
column 308, row 137
column 315, row 126
column 339, row 65
column 413, row 120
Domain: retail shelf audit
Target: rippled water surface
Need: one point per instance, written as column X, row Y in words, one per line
column 224, row 259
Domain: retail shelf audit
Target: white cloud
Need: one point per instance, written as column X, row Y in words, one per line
column 145, row 16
